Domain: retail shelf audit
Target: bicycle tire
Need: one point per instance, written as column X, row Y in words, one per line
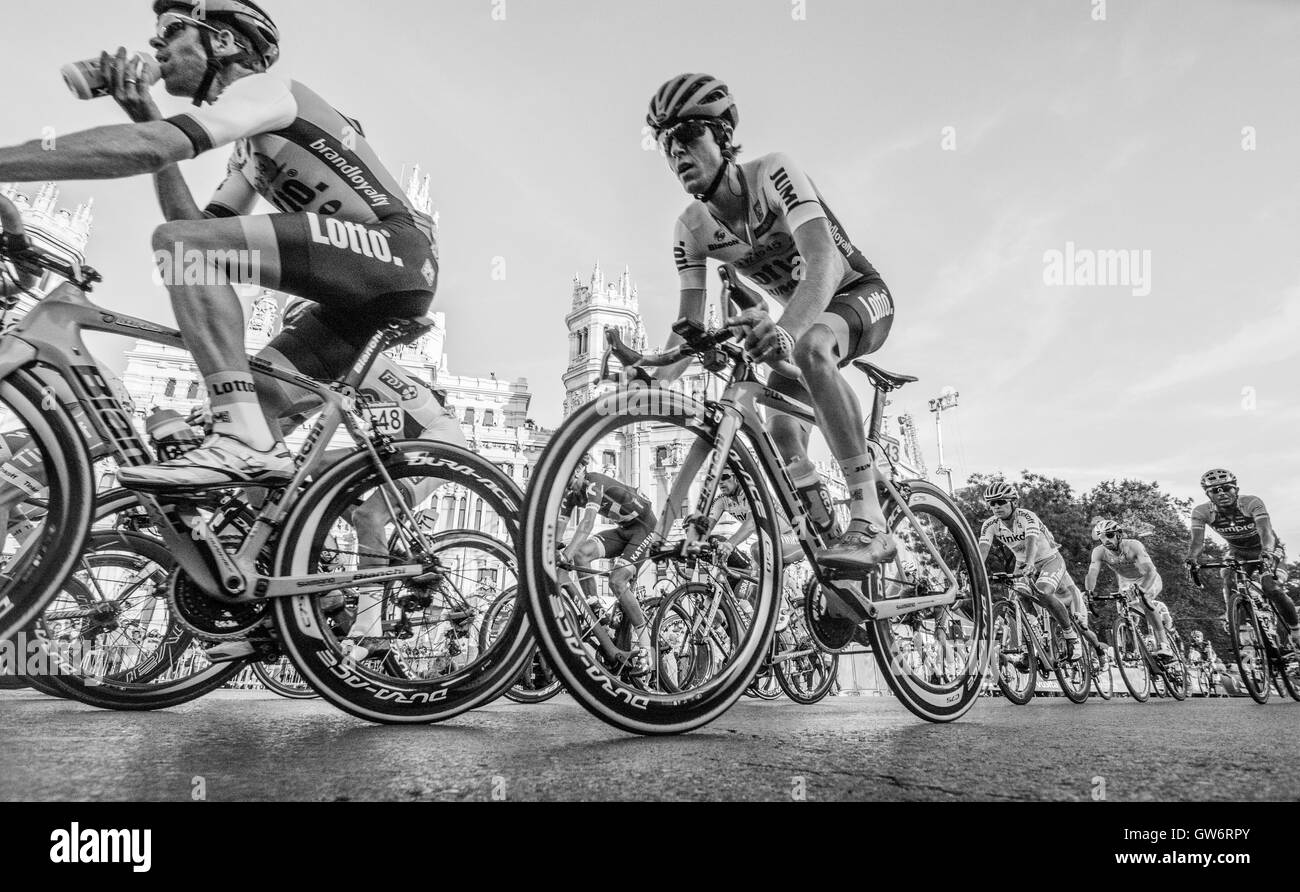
column 1128, row 654
column 698, row 662
column 948, row 701
column 788, row 672
column 526, row 689
column 1175, row 671
column 1288, row 668
column 1241, row 612
column 765, row 686
column 276, row 685
column 304, row 630
column 1004, row 617
column 1073, row 675
column 601, row 692
column 1103, row 682
column 49, row 554
column 140, row 690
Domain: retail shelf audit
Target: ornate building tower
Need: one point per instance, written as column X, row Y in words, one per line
column 597, row 307
column 58, row 231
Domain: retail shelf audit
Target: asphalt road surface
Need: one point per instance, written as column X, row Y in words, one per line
column 240, row 745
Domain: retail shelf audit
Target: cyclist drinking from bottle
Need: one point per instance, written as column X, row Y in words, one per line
column 345, row 235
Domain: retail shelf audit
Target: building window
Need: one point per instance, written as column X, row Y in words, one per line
column 661, row 456
column 470, row 416
column 611, row 460
column 194, row 391
column 509, row 469
column 463, row 507
column 170, row 390
column 490, row 418
column 487, row 576
column 527, row 470
column 478, row 514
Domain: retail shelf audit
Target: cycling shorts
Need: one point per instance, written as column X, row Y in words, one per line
column 360, row 275
column 629, row 541
column 861, row 317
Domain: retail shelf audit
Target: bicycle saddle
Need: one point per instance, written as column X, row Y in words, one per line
column 881, row 379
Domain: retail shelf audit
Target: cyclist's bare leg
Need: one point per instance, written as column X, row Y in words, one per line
column 839, row 413
column 620, row 583
column 211, row 318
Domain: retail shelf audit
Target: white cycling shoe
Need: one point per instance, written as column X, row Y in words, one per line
column 220, row 462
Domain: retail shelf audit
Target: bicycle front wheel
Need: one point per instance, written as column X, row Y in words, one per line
column 1072, row 672
column 955, row 561
column 805, row 672
column 283, row 679
column 1015, row 655
column 1130, row 657
column 44, row 459
column 669, row 475
column 1249, row 648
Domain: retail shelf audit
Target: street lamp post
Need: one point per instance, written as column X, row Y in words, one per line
column 947, row 399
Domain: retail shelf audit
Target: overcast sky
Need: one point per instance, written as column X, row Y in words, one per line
column 1123, row 134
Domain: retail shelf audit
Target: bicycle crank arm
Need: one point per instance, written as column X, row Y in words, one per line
column 286, row 586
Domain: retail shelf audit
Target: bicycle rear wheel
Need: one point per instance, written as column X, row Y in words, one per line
column 624, row 416
column 44, row 457
column 1249, row 648
column 1288, row 664
column 1175, row 673
column 915, row 571
column 429, row 625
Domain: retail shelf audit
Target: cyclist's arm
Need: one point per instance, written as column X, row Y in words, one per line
column 692, row 309
column 103, row 153
column 586, row 523
column 1094, row 571
column 822, row 273
column 1151, row 583
column 1032, row 540
column 1197, row 544
column 1267, row 538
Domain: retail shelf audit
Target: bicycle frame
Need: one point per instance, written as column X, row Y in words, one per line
column 51, row 335
column 736, row 413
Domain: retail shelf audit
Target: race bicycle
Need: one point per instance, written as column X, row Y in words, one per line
column 1030, row 642
column 1259, row 643
column 271, row 576
column 684, row 441
column 1143, row 673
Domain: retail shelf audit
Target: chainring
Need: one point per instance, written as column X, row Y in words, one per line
column 208, row 618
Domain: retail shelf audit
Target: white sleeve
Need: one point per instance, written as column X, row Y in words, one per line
column 257, row 104
column 788, row 187
column 692, row 263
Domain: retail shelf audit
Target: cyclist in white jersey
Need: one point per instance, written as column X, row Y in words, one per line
column 767, row 219
column 1137, row 577
column 1038, row 561
column 345, row 236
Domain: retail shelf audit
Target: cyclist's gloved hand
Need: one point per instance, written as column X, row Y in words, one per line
column 764, row 339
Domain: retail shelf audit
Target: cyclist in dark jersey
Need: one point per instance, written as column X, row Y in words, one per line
column 346, row 237
column 1244, row 524
column 627, row 544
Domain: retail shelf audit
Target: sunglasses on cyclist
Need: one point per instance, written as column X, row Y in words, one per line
column 172, row 23
column 686, row 133
column 1220, row 490
column 999, row 503
column 1110, row 535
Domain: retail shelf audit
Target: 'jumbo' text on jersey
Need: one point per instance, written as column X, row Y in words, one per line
column 1023, row 523
column 614, row 500
column 1125, row 562
column 782, row 198
column 297, row 152
column 1236, row 524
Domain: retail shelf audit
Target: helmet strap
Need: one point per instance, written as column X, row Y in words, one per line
column 707, row 195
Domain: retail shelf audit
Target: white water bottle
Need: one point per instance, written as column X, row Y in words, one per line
column 86, row 79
